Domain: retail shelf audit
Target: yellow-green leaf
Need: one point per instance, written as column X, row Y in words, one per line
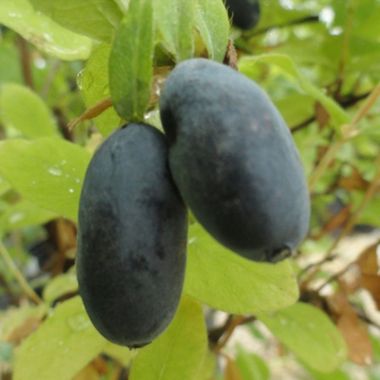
column 93, row 18
column 310, row 334
column 226, row 281
column 41, row 31
column 175, row 23
column 61, row 346
column 25, row 111
column 131, row 61
column 23, row 213
column 179, row 352
column 337, row 113
column 60, row 285
column 47, row 172
column 94, row 86
column 212, row 22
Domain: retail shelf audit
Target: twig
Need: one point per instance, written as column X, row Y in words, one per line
column 369, row 194
column 303, row 124
column 335, row 276
column 325, row 163
column 304, row 20
column 319, row 263
column 18, row 275
column 348, row 131
column 363, row 111
column 346, row 102
column 49, row 78
column 369, row 321
column 104, row 104
column 8, row 289
column 25, row 60
column 91, row 112
column 371, row 191
column 229, row 329
column 345, row 49
column 216, row 333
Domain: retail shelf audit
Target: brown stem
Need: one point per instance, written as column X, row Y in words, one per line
column 49, row 78
column 371, row 191
column 345, row 50
column 335, row 276
column 363, row 111
column 348, row 131
column 300, row 21
column 18, row 275
column 346, row 102
column 369, row 194
column 26, row 62
column 229, row 329
column 319, row 263
column 91, row 112
column 368, row 320
column 324, row 163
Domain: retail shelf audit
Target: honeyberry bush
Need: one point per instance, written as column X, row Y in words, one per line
column 73, row 71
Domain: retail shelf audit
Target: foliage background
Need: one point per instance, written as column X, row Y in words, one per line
column 93, row 65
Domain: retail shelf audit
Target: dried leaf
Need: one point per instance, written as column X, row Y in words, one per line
column 17, row 323
column 372, row 284
column 354, row 181
column 91, row 112
column 368, row 264
column 24, row 330
column 231, row 57
column 100, row 364
column 368, row 260
column 357, row 338
column 354, row 331
column 322, row 116
column 336, row 221
column 87, row 373
column 232, row 371
column 350, row 281
column 337, row 304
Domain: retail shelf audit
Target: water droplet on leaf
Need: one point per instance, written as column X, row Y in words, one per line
column 79, row 322
column 55, row 171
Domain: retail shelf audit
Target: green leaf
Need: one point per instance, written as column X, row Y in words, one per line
column 211, row 20
column 10, row 68
column 375, row 343
column 131, row 61
column 310, row 334
column 336, row 375
column 60, row 285
column 251, row 366
column 338, row 116
column 295, row 107
column 4, row 186
column 60, row 347
column 175, row 22
column 22, row 214
column 123, row 5
column 47, row 171
column 226, row 281
column 207, row 368
column 120, row 353
column 25, row 111
column 179, row 351
column 93, row 18
column 41, row 31
column 94, row 86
